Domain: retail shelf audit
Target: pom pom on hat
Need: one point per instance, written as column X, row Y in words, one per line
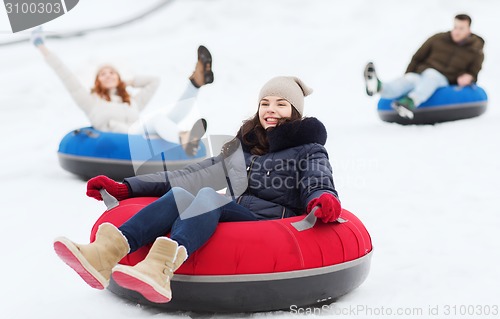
column 290, row 88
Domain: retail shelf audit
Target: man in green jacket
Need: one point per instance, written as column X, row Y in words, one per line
column 453, row 57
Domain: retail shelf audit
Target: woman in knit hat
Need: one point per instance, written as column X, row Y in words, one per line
column 276, row 167
column 110, row 108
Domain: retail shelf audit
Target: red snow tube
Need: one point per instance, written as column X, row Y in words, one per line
column 260, row 265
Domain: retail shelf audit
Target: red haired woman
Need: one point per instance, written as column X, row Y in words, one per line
column 110, row 108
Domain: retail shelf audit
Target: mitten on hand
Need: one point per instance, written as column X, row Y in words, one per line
column 118, row 190
column 37, row 37
column 328, row 207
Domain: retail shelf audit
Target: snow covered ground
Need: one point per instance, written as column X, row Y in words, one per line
column 427, row 194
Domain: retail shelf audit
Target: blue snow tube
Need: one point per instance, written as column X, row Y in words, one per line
column 449, row 103
column 87, row 152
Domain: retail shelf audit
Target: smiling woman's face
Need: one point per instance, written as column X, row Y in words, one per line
column 108, row 78
column 273, row 108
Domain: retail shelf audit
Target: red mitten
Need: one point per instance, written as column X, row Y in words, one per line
column 328, row 207
column 118, row 190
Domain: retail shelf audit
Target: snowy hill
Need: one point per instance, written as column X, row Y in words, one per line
column 428, row 194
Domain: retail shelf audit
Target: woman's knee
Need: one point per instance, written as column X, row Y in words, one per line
column 179, row 191
column 207, row 203
column 178, row 196
column 210, row 195
column 207, row 192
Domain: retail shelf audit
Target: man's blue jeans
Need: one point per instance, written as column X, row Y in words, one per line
column 192, row 227
column 418, row 87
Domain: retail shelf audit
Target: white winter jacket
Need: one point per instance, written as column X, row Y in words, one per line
column 109, row 116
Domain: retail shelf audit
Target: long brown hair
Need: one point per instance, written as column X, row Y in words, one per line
column 254, row 135
column 103, row 93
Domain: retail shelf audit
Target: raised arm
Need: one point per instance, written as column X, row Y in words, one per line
column 79, row 93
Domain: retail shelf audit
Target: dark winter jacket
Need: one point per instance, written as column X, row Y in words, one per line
column 278, row 184
column 451, row 59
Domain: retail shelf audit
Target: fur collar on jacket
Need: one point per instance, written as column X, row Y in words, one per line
column 292, row 134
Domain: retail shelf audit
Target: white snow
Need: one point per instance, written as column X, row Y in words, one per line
column 427, row 194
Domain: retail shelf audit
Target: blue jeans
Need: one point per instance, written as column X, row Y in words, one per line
column 189, row 229
column 418, row 87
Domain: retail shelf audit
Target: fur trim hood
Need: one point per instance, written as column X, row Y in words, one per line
column 291, row 134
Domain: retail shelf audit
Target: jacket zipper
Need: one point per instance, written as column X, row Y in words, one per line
column 250, row 167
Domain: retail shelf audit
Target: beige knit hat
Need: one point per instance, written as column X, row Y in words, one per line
column 106, row 65
column 290, row 88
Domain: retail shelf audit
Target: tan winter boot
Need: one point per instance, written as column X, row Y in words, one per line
column 94, row 261
column 151, row 277
column 182, row 255
column 203, row 73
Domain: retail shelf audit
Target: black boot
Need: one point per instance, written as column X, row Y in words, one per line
column 203, row 72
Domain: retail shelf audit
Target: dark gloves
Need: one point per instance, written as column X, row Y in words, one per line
column 328, row 207
column 118, row 190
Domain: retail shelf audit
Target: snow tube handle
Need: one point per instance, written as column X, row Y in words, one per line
column 86, row 131
column 310, row 220
column 109, row 200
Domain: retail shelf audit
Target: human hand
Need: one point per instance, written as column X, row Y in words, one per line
column 329, row 207
column 118, row 190
column 465, row 79
column 128, row 82
column 37, row 37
